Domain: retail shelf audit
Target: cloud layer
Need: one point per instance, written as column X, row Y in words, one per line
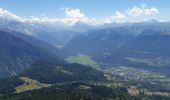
column 4, row 14
column 72, row 16
column 118, row 17
column 137, row 11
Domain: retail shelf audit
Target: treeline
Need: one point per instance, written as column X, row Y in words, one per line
column 72, row 91
column 54, row 73
column 8, row 85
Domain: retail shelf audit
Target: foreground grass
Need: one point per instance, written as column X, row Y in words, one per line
column 30, row 84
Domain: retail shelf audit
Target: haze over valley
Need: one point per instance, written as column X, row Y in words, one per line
column 84, row 52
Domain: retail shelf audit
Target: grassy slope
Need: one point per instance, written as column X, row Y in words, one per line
column 83, row 59
column 30, row 84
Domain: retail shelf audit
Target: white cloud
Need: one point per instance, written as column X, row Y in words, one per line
column 137, row 11
column 4, row 14
column 74, row 13
column 151, row 11
column 118, row 17
column 72, row 16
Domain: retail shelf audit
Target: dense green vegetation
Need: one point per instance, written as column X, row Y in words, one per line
column 79, row 91
column 42, row 73
column 74, row 82
column 83, row 59
column 72, row 91
column 51, row 73
column 8, row 85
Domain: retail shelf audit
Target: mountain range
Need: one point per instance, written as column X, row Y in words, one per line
column 47, row 60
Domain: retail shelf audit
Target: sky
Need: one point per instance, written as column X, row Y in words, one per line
column 103, row 11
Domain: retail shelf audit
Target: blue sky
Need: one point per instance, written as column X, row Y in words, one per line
column 92, row 8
